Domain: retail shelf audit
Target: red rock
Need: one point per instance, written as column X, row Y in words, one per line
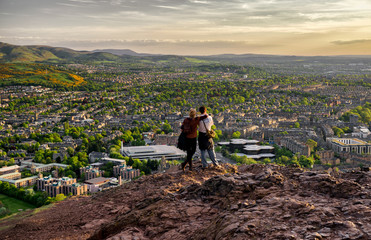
column 251, row 202
column 192, row 211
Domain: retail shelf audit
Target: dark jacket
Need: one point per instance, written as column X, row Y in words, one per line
column 204, row 142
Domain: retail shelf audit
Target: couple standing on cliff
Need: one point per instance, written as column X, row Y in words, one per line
column 189, row 127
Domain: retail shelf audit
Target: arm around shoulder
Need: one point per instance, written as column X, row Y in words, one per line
column 203, row 117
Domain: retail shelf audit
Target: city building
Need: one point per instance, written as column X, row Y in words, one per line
column 170, row 139
column 12, row 175
column 249, row 148
column 259, row 152
column 239, row 144
column 361, row 132
column 41, row 182
column 39, row 167
column 153, row 152
column 97, row 156
column 10, row 169
column 115, row 161
column 93, row 185
column 296, row 146
column 350, row 145
column 22, row 182
column 65, row 185
column 90, row 172
column 126, row 172
column 328, row 157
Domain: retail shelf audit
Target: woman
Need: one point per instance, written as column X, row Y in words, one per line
column 189, row 127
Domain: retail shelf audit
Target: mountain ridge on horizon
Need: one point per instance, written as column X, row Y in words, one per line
column 120, row 52
column 62, row 52
column 40, row 53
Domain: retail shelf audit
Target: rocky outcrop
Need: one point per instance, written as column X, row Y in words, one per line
column 248, row 202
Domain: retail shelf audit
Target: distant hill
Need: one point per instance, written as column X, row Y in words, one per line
column 121, row 52
column 286, row 64
column 13, row 53
column 36, row 53
column 247, row 58
column 38, row 74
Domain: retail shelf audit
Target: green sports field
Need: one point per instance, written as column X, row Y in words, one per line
column 14, row 204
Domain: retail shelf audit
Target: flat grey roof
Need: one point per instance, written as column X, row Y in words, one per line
column 257, row 147
column 243, row 141
column 257, row 156
column 152, row 151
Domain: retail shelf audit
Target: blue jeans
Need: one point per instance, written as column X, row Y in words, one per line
column 211, row 155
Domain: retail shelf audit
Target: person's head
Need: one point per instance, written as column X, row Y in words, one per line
column 202, row 109
column 192, row 113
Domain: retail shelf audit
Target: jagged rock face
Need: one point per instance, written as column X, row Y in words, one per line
column 251, row 202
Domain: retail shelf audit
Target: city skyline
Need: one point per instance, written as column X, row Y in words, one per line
column 192, row 27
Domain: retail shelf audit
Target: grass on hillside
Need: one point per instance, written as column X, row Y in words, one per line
column 14, row 204
column 196, row 60
column 10, row 221
column 39, row 74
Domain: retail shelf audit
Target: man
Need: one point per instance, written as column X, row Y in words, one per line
column 205, row 143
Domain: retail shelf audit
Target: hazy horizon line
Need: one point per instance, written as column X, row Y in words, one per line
column 174, row 54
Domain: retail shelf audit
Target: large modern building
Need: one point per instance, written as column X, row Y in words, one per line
column 350, row 145
column 239, row 144
column 65, row 185
column 361, row 132
column 12, row 175
column 93, row 185
column 39, row 167
column 91, row 172
column 97, row 156
column 249, row 148
column 153, row 152
column 22, row 182
column 115, row 161
column 126, row 172
column 10, row 169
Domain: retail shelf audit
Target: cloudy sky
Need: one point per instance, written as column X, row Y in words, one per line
column 192, row 27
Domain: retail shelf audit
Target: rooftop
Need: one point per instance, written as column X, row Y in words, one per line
column 14, row 167
column 152, row 151
column 99, row 180
column 243, row 141
column 257, row 147
column 257, row 156
column 348, row 141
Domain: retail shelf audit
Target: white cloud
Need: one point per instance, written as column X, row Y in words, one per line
column 199, row 1
column 168, row 7
column 82, row 1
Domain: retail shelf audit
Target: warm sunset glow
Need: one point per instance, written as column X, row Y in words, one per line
column 192, row 27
